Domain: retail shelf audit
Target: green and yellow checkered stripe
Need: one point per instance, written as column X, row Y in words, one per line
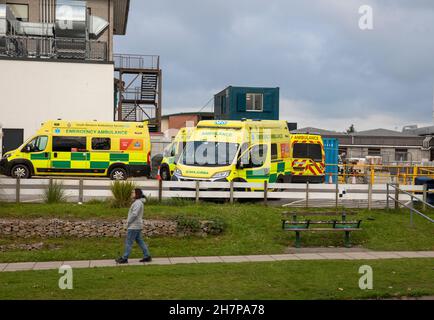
column 276, row 169
column 77, row 160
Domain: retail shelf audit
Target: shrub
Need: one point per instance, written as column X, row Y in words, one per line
column 216, row 226
column 121, row 191
column 54, row 193
column 188, row 224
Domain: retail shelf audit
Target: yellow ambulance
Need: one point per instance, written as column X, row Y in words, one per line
column 307, row 158
column 243, row 151
column 82, row 148
column 171, row 153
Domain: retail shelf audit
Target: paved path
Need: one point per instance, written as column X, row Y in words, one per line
column 369, row 255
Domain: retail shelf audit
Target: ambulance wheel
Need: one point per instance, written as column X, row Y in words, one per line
column 20, row 171
column 165, row 174
column 280, row 180
column 118, row 174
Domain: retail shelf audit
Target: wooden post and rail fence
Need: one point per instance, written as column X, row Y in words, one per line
column 287, row 194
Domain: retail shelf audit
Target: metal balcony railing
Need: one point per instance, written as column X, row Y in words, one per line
column 53, row 48
column 134, row 61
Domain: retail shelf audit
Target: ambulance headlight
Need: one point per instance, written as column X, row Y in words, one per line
column 7, row 155
column 221, row 175
column 178, row 172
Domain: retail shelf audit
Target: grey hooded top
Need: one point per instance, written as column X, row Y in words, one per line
column 135, row 215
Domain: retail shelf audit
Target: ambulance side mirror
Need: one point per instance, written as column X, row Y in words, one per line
column 240, row 164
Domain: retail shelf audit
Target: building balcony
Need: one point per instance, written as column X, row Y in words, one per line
column 53, row 48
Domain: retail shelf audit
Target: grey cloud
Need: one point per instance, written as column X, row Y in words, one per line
column 313, row 50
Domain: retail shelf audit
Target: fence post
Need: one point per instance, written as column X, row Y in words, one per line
column 415, row 173
column 18, row 190
column 160, row 190
column 197, row 191
column 387, row 196
column 307, row 194
column 265, row 192
column 396, row 196
column 80, row 191
column 425, row 189
column 337, row 195
column 231, row 190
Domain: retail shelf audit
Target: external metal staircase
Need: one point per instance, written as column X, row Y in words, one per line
column 139, row 89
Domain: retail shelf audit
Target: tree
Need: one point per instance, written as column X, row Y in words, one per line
column 351, row 129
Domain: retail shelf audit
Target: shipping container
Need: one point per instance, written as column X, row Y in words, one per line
column 236, row 103
column 331, row 148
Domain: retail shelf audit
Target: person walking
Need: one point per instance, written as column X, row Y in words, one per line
column 134, row 228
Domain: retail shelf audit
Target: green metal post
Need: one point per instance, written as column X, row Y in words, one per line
column 347, row 239
column 297, row 239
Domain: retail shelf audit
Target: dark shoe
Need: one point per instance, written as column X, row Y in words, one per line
column 121, row 260
column 146, row 259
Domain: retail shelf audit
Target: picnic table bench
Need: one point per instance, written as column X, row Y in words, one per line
column 328, row 226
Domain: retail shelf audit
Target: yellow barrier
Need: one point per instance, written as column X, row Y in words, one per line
column 374, row 173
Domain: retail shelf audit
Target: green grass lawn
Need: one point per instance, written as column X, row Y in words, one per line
column 251, row 229
column 266, row 280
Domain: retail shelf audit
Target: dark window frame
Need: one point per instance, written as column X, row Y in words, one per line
column 274, row 152
column 106, row 138
column 403, row 152
column 64, row 147
column 253, row 99
column 307, row 151
column 21, row 4
column 373, row 152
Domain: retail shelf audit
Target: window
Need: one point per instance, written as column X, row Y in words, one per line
column 258, row 154
column 254, row 102
column 374, row 152
column 20, row 11
column 101, row 143
column 168, row 150
column 37, row 145
column 307, row 151
column 69, row 144
column 274, row 154
column 209, row 153
column 401, row 155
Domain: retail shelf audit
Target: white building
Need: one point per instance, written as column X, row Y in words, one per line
column 56, row 62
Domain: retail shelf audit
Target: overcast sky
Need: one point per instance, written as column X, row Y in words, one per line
column 330, row 72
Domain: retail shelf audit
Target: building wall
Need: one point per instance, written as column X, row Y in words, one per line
column 104, row 9
column 388, row 153
column 180, row 121
column 33, row 8
column 35, row 91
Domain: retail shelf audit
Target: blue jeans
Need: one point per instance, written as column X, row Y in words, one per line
column 135, row 235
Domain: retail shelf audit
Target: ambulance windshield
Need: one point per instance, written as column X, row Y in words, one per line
column 209, row 153
column 307, row 151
